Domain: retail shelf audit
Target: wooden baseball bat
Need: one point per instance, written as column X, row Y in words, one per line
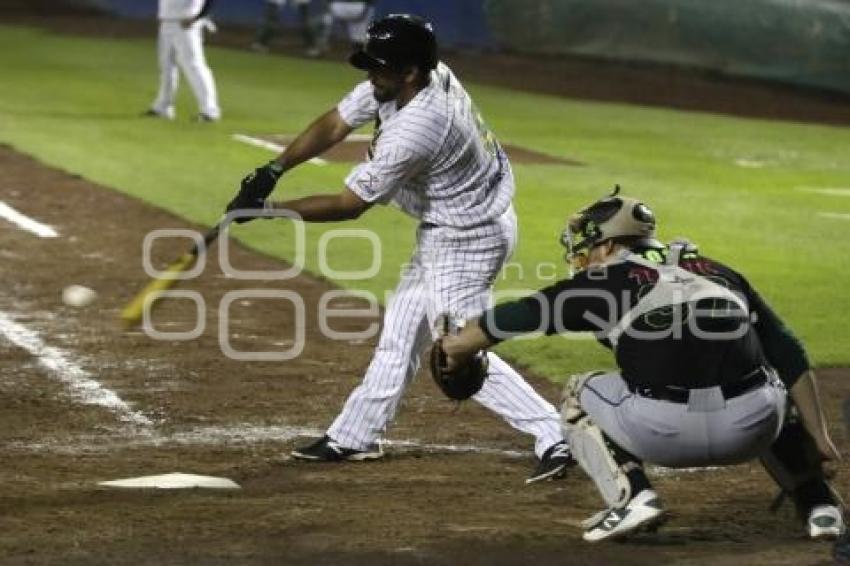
column 132, row 313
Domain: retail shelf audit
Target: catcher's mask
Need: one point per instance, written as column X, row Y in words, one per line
column 611, row 217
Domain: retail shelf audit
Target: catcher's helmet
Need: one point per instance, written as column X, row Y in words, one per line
column 398, row 41
column 611, row 217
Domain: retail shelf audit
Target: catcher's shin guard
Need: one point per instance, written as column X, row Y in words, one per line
column 571, row 409
column 594, row 454
column 607, row 465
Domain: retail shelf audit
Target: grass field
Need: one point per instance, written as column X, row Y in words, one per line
column 744, row 190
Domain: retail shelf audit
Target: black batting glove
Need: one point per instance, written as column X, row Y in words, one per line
column 260, row 183
column 255, row 189
column 240, row 202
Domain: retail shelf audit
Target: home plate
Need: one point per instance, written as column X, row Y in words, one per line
column 173, row 481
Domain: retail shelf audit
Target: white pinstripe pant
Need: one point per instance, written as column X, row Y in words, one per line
column 451, row 271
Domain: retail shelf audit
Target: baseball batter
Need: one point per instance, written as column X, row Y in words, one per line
column 180, row 45
column 704, row 366
column 434, row 158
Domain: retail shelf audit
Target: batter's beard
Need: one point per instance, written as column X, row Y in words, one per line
column 384, row 95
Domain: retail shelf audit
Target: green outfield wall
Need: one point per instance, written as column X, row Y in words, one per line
column 802, row 42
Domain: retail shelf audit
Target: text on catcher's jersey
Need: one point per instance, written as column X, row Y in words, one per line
column 706, row 343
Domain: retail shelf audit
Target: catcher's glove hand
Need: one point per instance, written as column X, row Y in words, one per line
column 458, row 381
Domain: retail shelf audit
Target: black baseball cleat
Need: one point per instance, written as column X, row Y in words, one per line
column 554, row 463
column 204, row 118
column 152, row 113
column 327, row 449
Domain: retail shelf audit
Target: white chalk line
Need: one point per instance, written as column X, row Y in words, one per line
column 271, row 146
column 252, row 434
column 835, row 215
column 90, row 392
column 233, row 436
column 828, row 191
column 24, row 222
column 60, row 366
column 749, row 163
column 247, row 434
column 832, row 192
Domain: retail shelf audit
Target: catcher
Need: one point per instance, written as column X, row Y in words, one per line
column 704, row 367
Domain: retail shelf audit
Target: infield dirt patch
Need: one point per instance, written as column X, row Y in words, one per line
column 425, row 503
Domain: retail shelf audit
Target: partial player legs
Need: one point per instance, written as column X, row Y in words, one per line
column 632, row 503
column 322, row 28
column 169, row 75
column 356, row 16
column 269, row 27
column 458, row 284
column 794, row 462
column 508, row 395
column 613, row 430
column 190, row 56
column 708, row 430
column 372, row 405
column 461, row 267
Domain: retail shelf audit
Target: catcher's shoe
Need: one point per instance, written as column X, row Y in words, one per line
column 554, row 463
column 825, row 523
column 327, row 449
column 643, row 512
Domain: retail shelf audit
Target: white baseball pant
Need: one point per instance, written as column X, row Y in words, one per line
column 451, row 272
column 356, row 16
column 183, row 47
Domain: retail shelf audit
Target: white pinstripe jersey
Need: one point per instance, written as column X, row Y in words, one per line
column 434, row 158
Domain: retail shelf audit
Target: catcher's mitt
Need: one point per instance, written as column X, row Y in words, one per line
column 461, row 382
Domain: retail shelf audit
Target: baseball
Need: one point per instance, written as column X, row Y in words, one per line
column 78, row 296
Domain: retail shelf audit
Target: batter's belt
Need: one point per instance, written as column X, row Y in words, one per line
column 753, row 380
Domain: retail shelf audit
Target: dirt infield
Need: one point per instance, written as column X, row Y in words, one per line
column 450, row 491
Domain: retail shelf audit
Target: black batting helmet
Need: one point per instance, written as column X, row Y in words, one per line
column 396, row 42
